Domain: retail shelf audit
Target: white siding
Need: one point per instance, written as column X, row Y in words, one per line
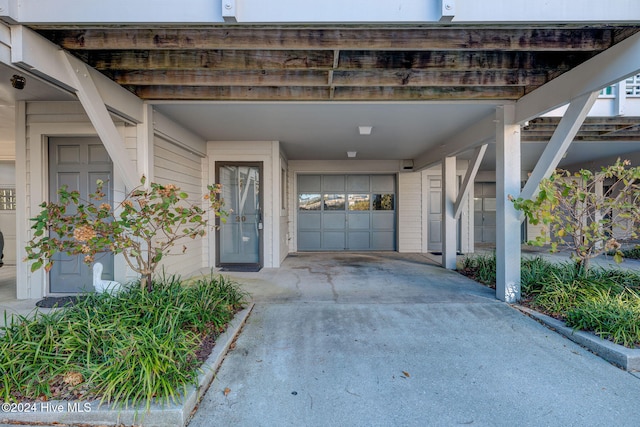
column 410, row 212
column 174, row 164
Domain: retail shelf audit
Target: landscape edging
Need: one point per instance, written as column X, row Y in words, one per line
column 626, row 358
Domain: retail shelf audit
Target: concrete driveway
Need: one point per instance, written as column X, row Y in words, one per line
column 387, row 339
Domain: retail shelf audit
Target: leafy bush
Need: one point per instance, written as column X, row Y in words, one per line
column 126, row 349
column 615, row 317
column 605, row 301
column 144, row 227
column 580, row 210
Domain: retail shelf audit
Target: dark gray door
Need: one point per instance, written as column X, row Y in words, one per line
column 78, row 163
column 239, row 237
column 346, row 212
column 484, row 211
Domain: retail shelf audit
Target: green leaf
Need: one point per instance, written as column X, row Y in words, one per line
column 36, row 265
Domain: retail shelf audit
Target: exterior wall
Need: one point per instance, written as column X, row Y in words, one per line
column 173, row 164
column 267, row 152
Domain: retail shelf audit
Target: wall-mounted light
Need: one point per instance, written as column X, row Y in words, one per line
column 18, row 82
column 351, row 154
column 365, row 130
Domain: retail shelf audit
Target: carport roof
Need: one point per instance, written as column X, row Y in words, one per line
column 429, row 62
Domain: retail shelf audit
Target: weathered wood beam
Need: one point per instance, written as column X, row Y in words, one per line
column 227, row 93
column 222, row 77
column 589, row 120
column 461, row 60
column 540, row 39
column 321, row 77
column 209, row 59
column 428, row 93
column 348, row 60
column 396, row 77
column 275, row 93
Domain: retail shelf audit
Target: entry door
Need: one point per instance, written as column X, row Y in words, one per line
column 484, row 208
column 239, row 238
column 78, row 163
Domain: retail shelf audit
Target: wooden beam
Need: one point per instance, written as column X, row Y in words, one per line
column 461, row 60
column 303, row 93
column 529, row 39
column 314, row 59
column 428, row 93
column 221, row 77
column 414, row 77
column 209, row 59
column 227, row 93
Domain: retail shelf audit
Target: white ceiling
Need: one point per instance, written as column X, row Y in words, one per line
column 326, row 131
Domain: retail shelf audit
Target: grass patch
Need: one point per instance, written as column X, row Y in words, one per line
column 603, row 301
column 133, row 348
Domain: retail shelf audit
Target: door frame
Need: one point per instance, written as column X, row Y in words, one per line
column 260, row 165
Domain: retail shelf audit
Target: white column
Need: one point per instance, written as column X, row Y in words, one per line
column 507, row 218
column 449, row 229
column 145, row 133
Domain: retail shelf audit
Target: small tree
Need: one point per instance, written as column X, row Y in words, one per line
column 144, row 227
column 572, row 207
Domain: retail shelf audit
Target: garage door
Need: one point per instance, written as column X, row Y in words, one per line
column 346, row 212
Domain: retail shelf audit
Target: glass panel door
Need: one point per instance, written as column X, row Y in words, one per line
column 239, row 237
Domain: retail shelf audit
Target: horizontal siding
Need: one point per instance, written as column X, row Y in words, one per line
column 410, row 212
column 176, row 165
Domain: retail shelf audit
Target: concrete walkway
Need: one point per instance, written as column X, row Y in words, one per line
column 387, row 339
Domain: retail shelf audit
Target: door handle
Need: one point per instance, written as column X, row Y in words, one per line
column 244, row 218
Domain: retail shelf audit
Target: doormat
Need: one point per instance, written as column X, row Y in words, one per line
column 53, row 302
column 241, row 268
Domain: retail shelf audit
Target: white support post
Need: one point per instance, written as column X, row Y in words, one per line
column 97, row 111
column 449, row 226
column 559, row 143
column 620, row 100
column 145, row 143
column 469, row 178
column 507, row 218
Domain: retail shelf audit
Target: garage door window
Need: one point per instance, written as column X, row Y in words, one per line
column 383, row 202
column 334, row 202
column 309, row 202
column 359, row 202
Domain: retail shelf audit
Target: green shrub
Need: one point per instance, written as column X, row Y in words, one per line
column 614, row 317
column 605, row 301
column 126, row 349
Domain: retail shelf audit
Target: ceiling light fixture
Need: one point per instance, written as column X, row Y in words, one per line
column 365, row 130
column 351, row 154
